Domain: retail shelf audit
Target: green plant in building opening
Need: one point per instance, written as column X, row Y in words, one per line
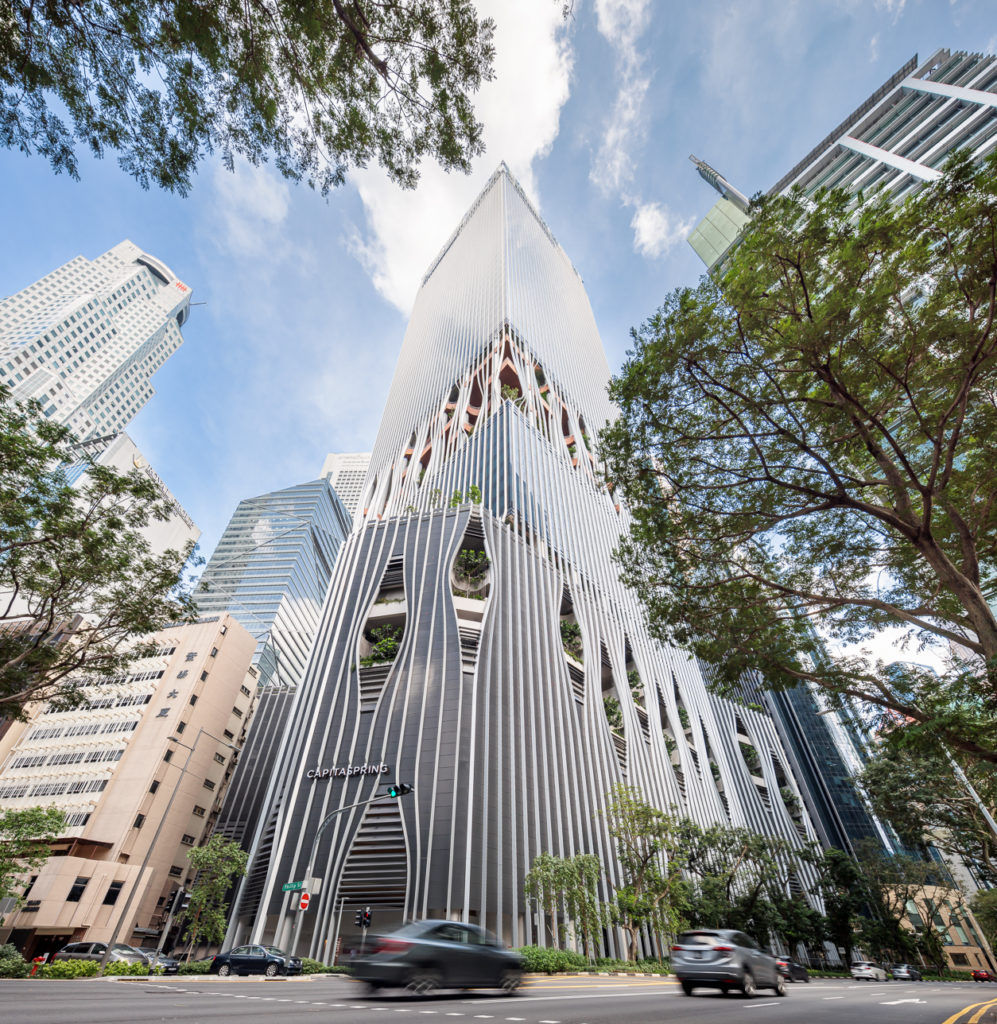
column 385, row 641
column 571, row 638
column 470, row 570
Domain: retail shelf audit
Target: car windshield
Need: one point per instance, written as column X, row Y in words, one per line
column 124, row 948
column 415, row 928
column 697, row 938
column 275, row 950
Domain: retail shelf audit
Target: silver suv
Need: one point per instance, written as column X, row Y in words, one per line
column 724, row 959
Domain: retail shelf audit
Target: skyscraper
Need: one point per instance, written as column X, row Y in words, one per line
column 271, row 570
column 86, row 339
column 476, row 641
column 346, row 471
column 896, row 140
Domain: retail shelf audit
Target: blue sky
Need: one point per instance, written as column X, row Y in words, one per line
column 305, row 299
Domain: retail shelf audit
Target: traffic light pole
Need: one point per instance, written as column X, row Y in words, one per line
column 393, row 794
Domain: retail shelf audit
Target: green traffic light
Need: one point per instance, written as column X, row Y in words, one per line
column 399, row 789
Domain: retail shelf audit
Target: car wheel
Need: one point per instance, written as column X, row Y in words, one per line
column 807, row 979
column 224, row 971
column 372, row 987
column 780, row 985
column 687, row 988
column 423, row 982
column 510, row 981
column 271, row 971
column 748, row 989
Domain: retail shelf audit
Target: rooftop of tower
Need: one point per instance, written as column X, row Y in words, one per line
column 501, row 171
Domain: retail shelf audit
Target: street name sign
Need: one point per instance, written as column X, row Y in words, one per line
column 292, row 886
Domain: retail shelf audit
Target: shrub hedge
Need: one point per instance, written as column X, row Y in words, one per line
column 69, row 969
column 541, row 960
column 12, row 964
column 194, row 967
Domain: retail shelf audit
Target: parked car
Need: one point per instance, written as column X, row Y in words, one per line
column 428, row 955
column 169, row 964
column 982, row 975
column 791, row 970
column 904, row 972
column 267, row 960
column 724, row 959
column 96, row 950
column 866, row 970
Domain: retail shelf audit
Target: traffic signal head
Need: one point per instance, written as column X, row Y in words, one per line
column 397, row 789
column 358, row 919
column 366, row 919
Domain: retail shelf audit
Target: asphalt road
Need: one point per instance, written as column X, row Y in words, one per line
column 565, row 1000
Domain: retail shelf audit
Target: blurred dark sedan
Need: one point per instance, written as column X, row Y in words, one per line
column 792, row 970
column 266, row 960
column 428, row 955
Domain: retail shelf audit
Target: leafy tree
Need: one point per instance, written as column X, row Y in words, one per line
column 984, row 907
column 651, row 853
column 474, row 494
column 914, row 787
column 614, row 715
column 217, row 864
column 845, row 900
column 545, row 882
column 809, row 439
column 581, row 899
column 78, row 581
column 318, row 87
column 509, row 392
column 25, row 836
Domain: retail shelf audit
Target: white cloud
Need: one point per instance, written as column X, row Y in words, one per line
column 657, row 230
column 249, row 207
column 874, row 49
column 520, row 110
column 621, row 23
column 894, row 7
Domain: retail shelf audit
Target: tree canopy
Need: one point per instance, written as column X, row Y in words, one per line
column 318, row 87
column 808, row 448
column 218, row 863
column 25, row 835
column 80, row 586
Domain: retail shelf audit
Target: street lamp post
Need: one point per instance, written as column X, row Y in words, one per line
column 159, row 828
column 395, row 791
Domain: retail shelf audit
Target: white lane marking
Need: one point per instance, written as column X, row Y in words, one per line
column 759, row 1005
column 828, row 998
column 897, row 1002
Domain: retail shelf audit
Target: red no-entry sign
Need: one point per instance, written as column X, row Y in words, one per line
column 304, row 900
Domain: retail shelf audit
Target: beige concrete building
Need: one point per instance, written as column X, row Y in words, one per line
column 945, row 910
column 152, row 747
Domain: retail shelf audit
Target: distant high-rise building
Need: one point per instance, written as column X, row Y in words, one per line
column 477, row 642
column 86, row 339
column 119, row 451
column 896, row 140
column 135, row 800
column 347, row 472
column 271, row 570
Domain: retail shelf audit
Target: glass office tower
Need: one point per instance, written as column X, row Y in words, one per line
column 270, row 571
column 476, row 641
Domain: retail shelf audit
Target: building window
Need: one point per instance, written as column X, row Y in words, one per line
column 168, row 756
column 181, row 726
column 246, row 691
column 228, row 734
column 175, row 872
column 111, row 896
column 223, row 630
column 187, row 840
column 154, row 786
column 214, row 652
column 209, row 784
column 193, row 698
column 182, row 674
column 191, row 655
column 204, row 675
column 237, row 712
column 960, row 959
column 199, row 812
column 76, row 893
column 139, row 821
